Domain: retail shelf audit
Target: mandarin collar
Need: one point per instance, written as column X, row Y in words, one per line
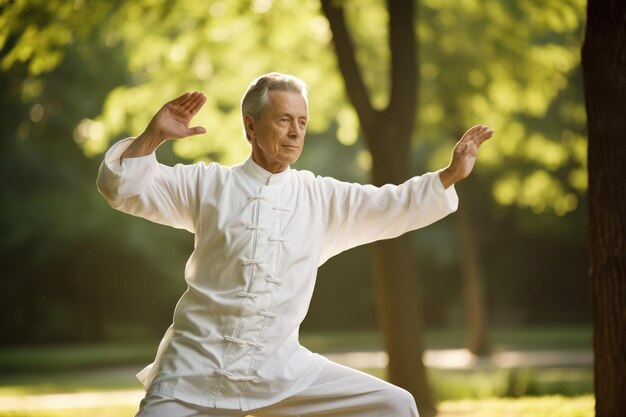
column 262, row 175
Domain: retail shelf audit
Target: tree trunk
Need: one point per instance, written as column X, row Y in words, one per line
column 469, row 253
column 472, row 277
column 397, row 285
column 604, row 70
column 388, row 135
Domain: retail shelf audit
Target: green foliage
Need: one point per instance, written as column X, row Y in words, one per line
column 38, row 31
column 514, row 66
column 217, row 49
column 76, row 75
column 177, row 46
column 63, row 265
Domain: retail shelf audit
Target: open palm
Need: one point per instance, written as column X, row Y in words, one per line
column 464, row 155
column 172, row 120
column 466, row 150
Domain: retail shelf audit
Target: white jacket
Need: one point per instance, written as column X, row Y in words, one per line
column 259, row 240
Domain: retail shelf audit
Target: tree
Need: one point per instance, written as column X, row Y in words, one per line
column 604, row 66
column 503, row 83
column 475, row 68
column 58, row 237
column 516, row 81
column 388, row 133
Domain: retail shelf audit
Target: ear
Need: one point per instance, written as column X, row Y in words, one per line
column 248, row 125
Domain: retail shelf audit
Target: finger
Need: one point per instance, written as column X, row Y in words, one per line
column 196, row 130
column 193, row 101
column 481, row 130
column 197, row 104
column 188, row 103
column 459, row 149
column 471, row 132
column 484, row 136
column 179, row 100
column 477, row 131
column 487, row 133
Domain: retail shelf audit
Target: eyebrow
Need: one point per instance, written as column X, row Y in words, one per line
column 293, row 116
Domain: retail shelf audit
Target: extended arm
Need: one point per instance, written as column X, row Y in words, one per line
column 139, row 185
column 464, row 155
column 170, row 122
column 361, row 214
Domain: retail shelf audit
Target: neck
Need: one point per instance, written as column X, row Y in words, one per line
column 274, row 168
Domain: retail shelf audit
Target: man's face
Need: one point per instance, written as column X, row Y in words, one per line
column 277, row 138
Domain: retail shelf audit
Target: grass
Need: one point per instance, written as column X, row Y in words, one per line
column 73, row 357
column 67, row 382
column 554, row 406
column 481, row 392
column 448, row 384
column 534, row 338
column 79, row 412
column 457, row 384
column 89, row 356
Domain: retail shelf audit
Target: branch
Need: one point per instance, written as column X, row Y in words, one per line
column 344, row 48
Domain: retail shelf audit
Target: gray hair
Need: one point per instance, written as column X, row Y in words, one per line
column 256, row 97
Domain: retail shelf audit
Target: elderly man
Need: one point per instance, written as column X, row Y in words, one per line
column 261, row 231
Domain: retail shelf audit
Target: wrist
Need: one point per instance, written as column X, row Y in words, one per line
column 145, row 144
column 448, row 177
column 150, row 139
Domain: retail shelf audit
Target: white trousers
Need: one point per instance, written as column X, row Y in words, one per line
column 338, row 392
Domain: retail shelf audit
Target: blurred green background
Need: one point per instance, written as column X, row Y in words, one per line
column 77, row 75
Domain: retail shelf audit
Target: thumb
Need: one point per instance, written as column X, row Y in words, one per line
column 196, row 130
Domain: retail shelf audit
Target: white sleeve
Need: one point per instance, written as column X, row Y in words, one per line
column 143, row 187
column 359, row 214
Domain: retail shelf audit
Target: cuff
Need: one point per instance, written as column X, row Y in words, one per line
column 451, row 196
column 120, row 180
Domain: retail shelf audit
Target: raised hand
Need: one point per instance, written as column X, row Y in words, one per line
column 170, row 122
column 464, row 155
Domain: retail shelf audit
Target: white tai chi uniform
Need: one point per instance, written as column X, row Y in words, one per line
column 259, row 240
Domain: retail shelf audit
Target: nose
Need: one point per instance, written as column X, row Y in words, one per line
column 295, row 130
